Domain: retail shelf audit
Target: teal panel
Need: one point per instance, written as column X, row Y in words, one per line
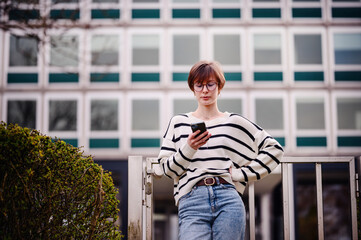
column 24, row 15
column 233, row 76
column 145, row 13
column 186, row 13
column 65, row 14
column 63, row 78
column 351, row 141
column 71, row 141
column 281, row 140
column 180, row 77
column 105, row 13
column 104, row 143
column 104, row 77
column 266, row 13
column 145, row 142
column 346, row 12
column 226, row 13
column 311, row 141
column 145, row 77
column 268, row 76
column 309, row 76
column 22, row 77
column 306, row 13
column 348, row 76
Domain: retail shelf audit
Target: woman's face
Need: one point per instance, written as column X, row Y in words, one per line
column 206, row 92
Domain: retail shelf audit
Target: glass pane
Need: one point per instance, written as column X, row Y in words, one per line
column 64, row 1
column 22, row 113
column 308, row 49
column 267, row 49
column 310, row 114
column 182, row 106
column 347, row 48
column 104, row 115
column 226, row 1
column 186, row 1
column 185, row 49
column 349, row 113
column 64, row 51
column 269, row 113
column 230, row 105
column 23, row 51
column 145, row 50
column 104, row 50
column 105, row 1
column 227, row 49
column 62, row 115
column 145, row 115
column 145, row 1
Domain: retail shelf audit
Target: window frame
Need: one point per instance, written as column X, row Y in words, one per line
column 286, row 132
column 64, row 96
column 22, row 69
column 146, row 68
column 283, row 67
column 312, row 132
column 104, row 134
column 65, row 69
column 119, row 69
column 28, row 96
column 343, row 132
column 143, row 134
column 294, row 67
column 336, row 67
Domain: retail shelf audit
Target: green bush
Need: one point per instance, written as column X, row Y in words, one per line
column 50, row 190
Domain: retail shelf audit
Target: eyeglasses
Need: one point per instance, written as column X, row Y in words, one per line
column 211, row 86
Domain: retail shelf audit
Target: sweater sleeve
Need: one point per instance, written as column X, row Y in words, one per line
column 174, row 161
column 269, row 153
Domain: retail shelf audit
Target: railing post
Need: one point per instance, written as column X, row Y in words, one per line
column 319, row 201
column 252, row 216
column 135, row 198
column 286, row 202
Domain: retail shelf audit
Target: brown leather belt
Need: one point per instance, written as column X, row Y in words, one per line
column 210, row 181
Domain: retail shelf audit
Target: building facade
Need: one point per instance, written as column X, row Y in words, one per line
column 107, row 75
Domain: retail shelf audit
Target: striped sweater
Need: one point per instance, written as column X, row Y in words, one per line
column 235, row 142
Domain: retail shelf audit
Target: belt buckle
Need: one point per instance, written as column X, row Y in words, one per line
column 209, row 184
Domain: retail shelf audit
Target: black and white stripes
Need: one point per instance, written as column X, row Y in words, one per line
column 235, row 143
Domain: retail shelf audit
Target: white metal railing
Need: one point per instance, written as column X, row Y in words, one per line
column 140, row 195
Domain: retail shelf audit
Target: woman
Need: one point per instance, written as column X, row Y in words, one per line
column 211, row 170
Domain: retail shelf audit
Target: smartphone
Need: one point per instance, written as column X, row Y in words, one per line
column 199, row 126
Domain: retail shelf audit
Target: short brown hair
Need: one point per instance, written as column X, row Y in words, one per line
column 203, row 70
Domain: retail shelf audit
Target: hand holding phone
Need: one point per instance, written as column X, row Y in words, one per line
column 199, row 126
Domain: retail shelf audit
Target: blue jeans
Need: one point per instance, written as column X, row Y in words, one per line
column 212, row 213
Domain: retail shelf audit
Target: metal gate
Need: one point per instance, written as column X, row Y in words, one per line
column 140, row 195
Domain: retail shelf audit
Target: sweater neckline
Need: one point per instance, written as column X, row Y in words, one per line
column 211, row 121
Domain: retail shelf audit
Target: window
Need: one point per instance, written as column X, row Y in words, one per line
column 104, row 50
column 64, row 51
column 227, row 49
column 267, row 56
column 22, row 112
column 103, row 126
column 309, row 51
column 269, row 113
column 144, row 121
column 63, row 115
column 22, row 59
column 348, row 118
column 186, row 49
column 23, row 51
column 145, row 50
column 311, row 120
column 63, row 118
column 267, row 49
column 347, row 55
column 347, row 48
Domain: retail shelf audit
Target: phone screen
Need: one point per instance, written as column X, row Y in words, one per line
column 199, row 126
